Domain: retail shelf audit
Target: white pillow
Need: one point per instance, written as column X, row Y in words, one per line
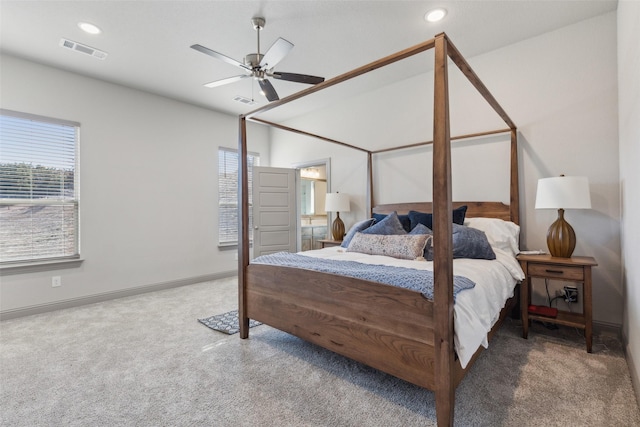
column 504, row 235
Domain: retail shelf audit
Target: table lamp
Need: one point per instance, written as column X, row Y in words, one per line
column 337, row 202
column 563, row 192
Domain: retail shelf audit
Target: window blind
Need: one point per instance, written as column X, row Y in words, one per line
column 38, row 188
column 228, row 194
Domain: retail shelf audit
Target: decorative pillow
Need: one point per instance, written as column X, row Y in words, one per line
column 393, row 245
column 420, row 229
column 504, row 235
column 404, row 220
column 467, row 243
column 387, row 226
column 427, row 218
column 358, row 226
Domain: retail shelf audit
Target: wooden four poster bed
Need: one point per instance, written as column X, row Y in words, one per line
column 395, row 330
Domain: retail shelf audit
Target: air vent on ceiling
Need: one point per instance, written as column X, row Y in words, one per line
column 244, row 100
column 83, row 48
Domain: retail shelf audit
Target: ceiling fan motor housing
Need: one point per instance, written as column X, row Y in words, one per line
column 253, row 60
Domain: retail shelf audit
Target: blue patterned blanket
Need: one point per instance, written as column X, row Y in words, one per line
column 408, row 278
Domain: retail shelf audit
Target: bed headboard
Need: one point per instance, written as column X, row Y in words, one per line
column 474, row 209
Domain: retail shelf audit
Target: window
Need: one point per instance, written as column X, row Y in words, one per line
column 38, row 188
column 228, row 194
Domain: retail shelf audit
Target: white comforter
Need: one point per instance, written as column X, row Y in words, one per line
column 476, row 310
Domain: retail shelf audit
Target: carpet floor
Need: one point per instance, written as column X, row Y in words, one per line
column 146, row 361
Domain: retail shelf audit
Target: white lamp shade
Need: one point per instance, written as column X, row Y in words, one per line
column 563, row 192
column 337, row 202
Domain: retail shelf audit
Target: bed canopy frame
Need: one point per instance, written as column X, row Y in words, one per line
column 445, row 374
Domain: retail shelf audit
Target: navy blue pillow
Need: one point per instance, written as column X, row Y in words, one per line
column 358, row 226
column 427, row 218
column 390, row 224
column 404, row 220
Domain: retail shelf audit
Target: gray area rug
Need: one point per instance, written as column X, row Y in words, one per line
column 226, row 323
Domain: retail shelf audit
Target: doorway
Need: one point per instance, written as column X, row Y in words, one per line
column 313, row 185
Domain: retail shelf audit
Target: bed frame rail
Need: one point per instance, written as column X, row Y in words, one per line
column 352, row 317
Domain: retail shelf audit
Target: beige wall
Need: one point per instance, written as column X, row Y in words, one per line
column 629, row 121
column 148, row 169
column 560, row 89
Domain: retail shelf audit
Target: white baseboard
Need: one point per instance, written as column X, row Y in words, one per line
column 633, row 369
column 91, row 299
column 607, row 328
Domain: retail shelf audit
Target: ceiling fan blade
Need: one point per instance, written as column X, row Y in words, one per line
column 298, row 78
column 276, row 52
column 268, row 90
column 219, row 56
column 227, row 80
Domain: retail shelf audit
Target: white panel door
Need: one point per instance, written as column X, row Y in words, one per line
column 274, row 210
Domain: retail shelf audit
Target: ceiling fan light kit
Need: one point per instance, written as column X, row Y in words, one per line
column 260, row 66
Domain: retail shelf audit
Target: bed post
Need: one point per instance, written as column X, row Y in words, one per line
column 442, row 237
column 515, row 194
column 243, row 228
column 370, row 200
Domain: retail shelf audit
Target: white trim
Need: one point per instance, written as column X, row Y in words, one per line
column 635, row 375
column 106, row 296
column 29, row 116
column 607, row 328
column 36, row 266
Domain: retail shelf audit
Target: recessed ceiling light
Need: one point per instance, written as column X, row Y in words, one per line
column 435, row 15
column 89, row 28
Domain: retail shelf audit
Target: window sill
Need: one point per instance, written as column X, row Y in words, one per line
column 34, row 267
column 231, row 245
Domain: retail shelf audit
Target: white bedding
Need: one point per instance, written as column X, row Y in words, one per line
column 476, row 310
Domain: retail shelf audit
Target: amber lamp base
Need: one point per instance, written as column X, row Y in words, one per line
column 337, row 228
column 561, row 239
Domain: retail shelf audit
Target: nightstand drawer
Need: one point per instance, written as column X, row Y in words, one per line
column 556, row 271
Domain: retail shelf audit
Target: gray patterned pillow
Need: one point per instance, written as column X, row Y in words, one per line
column 358, row 226
column 389, row 225
column 397, row 246
column 423, row 229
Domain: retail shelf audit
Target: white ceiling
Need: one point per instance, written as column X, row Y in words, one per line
column 148, row 41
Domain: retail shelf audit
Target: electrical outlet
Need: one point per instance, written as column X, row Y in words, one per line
column 56, row 281
column 570, row 294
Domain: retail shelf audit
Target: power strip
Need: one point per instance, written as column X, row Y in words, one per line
column 542, row 310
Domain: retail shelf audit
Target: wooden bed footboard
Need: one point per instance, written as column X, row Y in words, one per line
column 355, row 318
column 382, row 326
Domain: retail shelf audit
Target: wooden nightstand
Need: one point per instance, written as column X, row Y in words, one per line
column 574, row 269
column 327, row 243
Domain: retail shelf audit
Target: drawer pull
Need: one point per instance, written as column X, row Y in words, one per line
column 555, row 271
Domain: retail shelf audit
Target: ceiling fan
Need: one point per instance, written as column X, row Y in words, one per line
column 260, row 66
